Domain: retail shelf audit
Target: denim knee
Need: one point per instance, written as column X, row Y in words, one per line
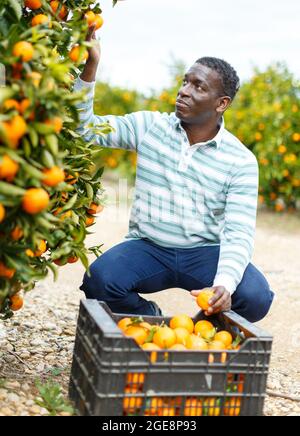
column 253, row 304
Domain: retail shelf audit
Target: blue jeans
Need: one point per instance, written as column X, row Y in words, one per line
column 140, row 266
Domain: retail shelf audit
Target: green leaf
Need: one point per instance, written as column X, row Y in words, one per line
column 16, row 7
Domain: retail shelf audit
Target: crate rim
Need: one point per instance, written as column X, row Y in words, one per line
column 92, row 306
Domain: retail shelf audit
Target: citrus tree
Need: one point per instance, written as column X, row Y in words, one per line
column 49, row 189
column 118, row 101
column 266, row 117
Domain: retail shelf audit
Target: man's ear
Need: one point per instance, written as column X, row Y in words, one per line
column 223, row 104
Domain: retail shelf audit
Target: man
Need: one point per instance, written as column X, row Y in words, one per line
column 193, row 219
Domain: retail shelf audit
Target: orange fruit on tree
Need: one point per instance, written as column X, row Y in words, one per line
column 11, row 104
column 72, row 179
column 56, row 123
column 183, row 321
column 53, row 176
column 73, row 259
column 35, row 78
column 164, row 337
column 139, row 334
column 89, row 221
column 17, row 234
column 42, row 248
column 24, row 50
column 98, row 21
column 15, row 129
column 77, row 56
column 8, row 168
column 2, row 213
column 225, row 337
column 6, row 272
column 33, row 4
column 39, row 19
column 94, row 209
column 204, row 297
column 56, row 5
column 193, row 407
column 90, row 17
column 64, row 216
column 17, row 71
column 24, row 105
column 35, row 201
column 64, row 195
column 124, row 323
column 205, row 329
column 181, row 335
column 16, row 302
column 196, row 343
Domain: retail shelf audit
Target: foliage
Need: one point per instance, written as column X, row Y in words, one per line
column 52, row 398
column 40, row 148
column 265, row 116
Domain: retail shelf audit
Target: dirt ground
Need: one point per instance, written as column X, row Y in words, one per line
column 40, row 338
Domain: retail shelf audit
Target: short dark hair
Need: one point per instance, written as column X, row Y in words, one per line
column 229, row 77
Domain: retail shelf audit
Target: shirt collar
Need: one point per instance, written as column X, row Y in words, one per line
column 215, row 142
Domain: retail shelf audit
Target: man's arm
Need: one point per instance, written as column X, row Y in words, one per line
column 237, row 239
column 129, row 130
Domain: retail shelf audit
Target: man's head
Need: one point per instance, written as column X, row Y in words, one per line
column 207, row 90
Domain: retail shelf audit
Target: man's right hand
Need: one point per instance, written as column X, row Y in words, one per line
column 90, row 69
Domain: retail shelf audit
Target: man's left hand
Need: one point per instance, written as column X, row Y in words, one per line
column 220, row 302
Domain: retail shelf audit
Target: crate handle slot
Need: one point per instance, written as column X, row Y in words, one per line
column 101, row 317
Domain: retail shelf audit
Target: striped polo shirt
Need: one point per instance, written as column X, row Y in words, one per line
column 186, row 196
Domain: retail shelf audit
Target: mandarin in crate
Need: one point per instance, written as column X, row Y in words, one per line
column 183, row 321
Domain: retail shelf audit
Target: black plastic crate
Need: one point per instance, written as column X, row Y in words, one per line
column 112, row 376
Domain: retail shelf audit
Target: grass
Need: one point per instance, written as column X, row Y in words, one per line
column 52, row 399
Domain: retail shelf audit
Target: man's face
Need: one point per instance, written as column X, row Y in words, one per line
column 199, row 98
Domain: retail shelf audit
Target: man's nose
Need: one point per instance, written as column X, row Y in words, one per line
column 184, row 91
